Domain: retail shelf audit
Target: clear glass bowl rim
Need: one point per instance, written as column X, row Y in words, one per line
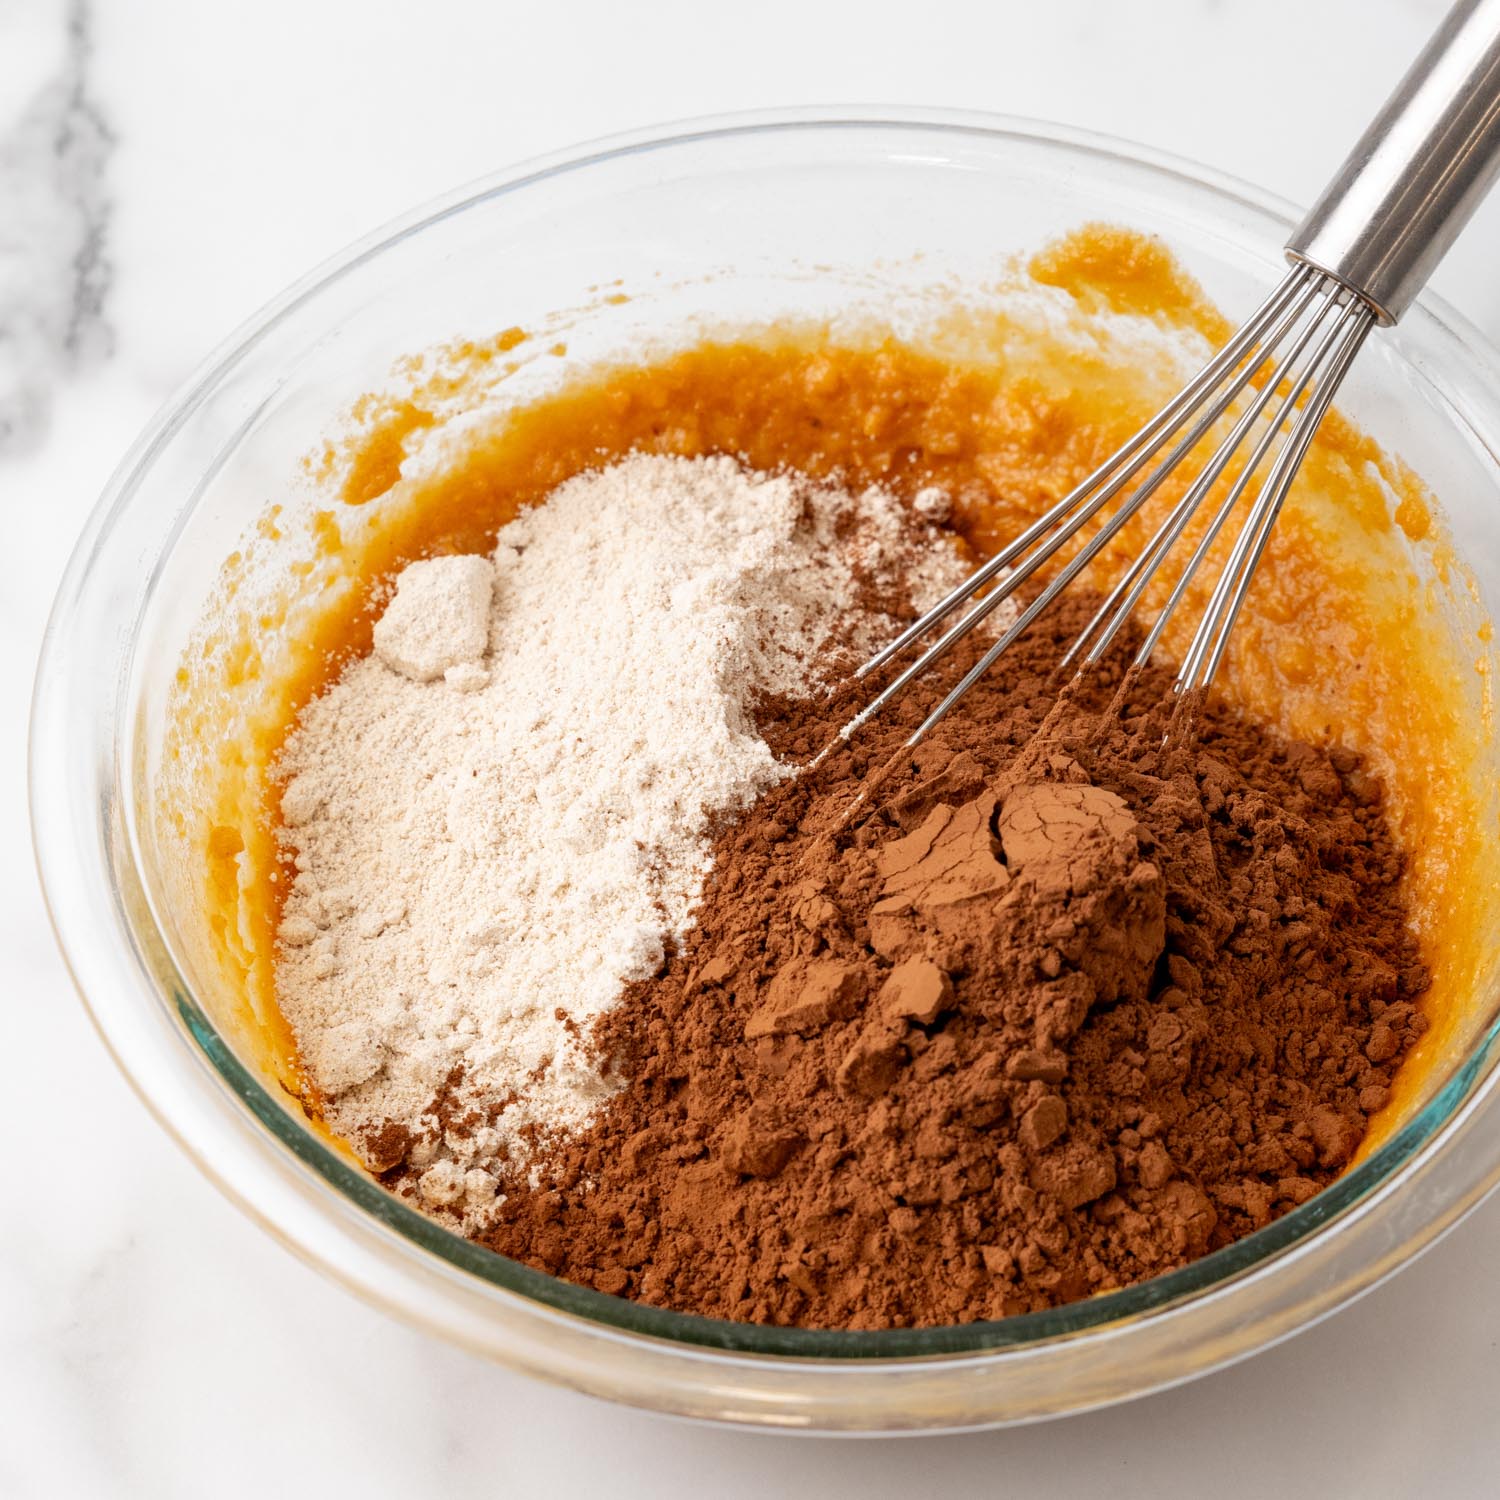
column 1373, row 1179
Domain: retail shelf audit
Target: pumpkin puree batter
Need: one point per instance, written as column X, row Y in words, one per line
column 1350, row 634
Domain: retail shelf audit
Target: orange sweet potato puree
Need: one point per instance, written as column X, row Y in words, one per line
column 1342, row 639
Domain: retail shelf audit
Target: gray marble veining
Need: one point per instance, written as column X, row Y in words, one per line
column 54, row 227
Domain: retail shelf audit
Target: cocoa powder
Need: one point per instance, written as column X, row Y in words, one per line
column 1044, row 1018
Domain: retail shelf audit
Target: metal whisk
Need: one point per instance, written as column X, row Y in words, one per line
column 1358, row 259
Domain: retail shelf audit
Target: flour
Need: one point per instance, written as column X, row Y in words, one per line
column 438, row 624
column 503, row 815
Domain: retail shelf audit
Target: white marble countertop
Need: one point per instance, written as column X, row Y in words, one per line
column 166, row 166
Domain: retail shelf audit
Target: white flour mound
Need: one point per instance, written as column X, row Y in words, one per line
column 502, row 815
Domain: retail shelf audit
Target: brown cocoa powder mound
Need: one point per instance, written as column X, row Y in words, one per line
column 1045, row 1019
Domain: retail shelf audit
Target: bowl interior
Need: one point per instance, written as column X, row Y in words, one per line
column 641, row 245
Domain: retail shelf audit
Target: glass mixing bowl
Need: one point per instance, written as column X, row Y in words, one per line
column 730, row 220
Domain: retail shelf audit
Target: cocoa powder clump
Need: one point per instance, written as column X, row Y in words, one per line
column 1046, row 1017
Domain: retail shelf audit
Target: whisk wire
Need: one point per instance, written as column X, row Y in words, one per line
column 1354, row 325
column 1322, row 326
column 1282, row 309
column 1154, row 433
column 1297, row 381
column 1122, row 600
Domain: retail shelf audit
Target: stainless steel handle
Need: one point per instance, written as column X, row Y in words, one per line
column 1418, row 173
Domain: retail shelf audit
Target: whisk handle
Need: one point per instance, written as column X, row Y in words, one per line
column 1418, row 173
